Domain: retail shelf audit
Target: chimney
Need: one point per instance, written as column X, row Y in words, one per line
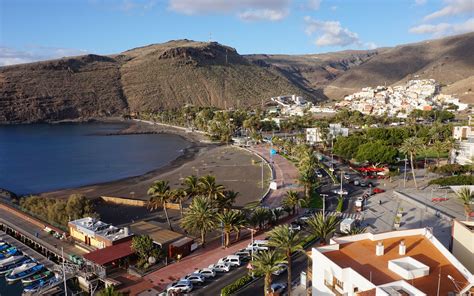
column 379, row 249
column 402, row 249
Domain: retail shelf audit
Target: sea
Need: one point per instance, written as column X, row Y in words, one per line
column 37, row 158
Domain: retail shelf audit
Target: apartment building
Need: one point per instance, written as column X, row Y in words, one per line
column 410, row 262
column 463, row 243
column 464, row 153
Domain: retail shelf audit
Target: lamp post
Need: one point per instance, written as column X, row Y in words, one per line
column 405, row 173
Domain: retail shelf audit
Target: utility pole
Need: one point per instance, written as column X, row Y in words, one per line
column 405, row 173
column 64, row 272
column 324, row 204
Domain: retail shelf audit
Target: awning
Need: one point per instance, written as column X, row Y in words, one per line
column 110, row 254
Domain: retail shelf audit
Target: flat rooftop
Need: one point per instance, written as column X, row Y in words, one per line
column 94, row 227
column 157, row 234
column 360, row 256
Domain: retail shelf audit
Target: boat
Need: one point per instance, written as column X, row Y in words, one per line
column 33, row 287
column 11, row 260
column 23, row 271
column 8, row 252
column 42, row 275
column 10, row 267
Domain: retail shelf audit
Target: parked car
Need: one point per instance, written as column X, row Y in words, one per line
column 220, row 267
column 281, row 269
column 278, row 288
column 232, row 260
column 295, row 227
column 243, row 254
column 206, row 272
column 194, row 278
column 303, row 219
column 180, row 286
column 319, row 174
column 347, row 176
column 258, row 245
column 357, row 182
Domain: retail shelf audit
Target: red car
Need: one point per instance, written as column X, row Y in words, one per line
column 377, row 190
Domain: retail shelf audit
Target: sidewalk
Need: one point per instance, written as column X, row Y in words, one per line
column 286, row 176
column 200, row 259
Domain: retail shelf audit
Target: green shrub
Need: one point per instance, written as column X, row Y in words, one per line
column 340, row 204
column 454, row 180
column 235, row 286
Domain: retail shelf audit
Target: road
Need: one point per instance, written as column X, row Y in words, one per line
column 300, row 263
column 214, row 286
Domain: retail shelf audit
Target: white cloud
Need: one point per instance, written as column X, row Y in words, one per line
column 444, row 29
column 314, row 4
column 420, row 2
column 129, row 5
column 12, row 56
column 263, row 15
column 452, row 7
column 370, row 45
column 330, row 33
column 250, row 10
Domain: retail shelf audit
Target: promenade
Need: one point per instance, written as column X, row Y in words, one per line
column 285, row 175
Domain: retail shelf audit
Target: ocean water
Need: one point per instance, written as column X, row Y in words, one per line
column 43, row 157
column 10, row 289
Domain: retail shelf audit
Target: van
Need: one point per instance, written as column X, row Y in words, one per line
column 258, row 245
column 232, row 260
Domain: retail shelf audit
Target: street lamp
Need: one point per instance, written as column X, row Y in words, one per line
column 324, row 203
column 405, row 173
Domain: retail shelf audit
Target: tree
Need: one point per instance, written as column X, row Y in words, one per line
column 266, row 262
column 191, row 186
column 288, row 241
column 439, row 147
column 465, row 195
column 376, row 153
column 230, row 221
column 178, row 195
column 199, row 217
column 355, row 230
column 143, row 246
column 224, row 203
column 259, row 216
column 159, row 194
column 292, row 200
column 210, row 188
column 411, row 146
column 323, row 226
column 78, row 206
column 109, row 291
column 346, row 147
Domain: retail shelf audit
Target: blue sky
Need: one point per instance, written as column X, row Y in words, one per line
column 41, row 29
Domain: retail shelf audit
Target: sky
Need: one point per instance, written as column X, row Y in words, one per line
column 32, row 30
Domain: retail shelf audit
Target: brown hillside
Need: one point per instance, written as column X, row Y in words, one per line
column 447, row 60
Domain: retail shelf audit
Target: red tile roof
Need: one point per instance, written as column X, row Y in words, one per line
column 110, row 254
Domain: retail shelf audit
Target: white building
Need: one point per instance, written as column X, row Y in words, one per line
column 464, row 135
column 314, row 134
column 410, row 262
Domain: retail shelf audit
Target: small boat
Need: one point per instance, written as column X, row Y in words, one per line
column 10, row 267
column 2, row 243
column 11, row 260
column 23, row 271
column 33, row 287
column 42, row 275
column 4, row 247
column 8, row 252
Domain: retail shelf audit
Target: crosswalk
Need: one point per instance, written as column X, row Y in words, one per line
column 355, row 216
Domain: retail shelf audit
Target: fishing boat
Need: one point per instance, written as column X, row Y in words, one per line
column 2, row 243
column 33, row 287
column 23, row 271
column 11, row 260
column 8, row 252
column 42, row 275
column 10, row 267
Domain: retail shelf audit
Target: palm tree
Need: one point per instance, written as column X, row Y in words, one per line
column 439, row 147
column 266, row 263
column 355, row 230
column 159, row 194
column 209, row 188
column 179, row 195
column 259, row 216
column 225, row 202
column 292, row 200
column 230, row 221
column 411, row 146
column 199, row 217
column 465, row 195
column 322, row 226
column 191, row 186
column 109, row 291
column 288, row 241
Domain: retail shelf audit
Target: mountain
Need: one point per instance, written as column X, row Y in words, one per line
column 149, row 78
column 449, row 60
column 179, row 72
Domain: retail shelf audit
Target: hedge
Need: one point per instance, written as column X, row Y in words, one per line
column 235, row 286
column 454, row 180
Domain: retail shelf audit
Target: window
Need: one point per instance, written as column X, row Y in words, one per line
column 338, row 283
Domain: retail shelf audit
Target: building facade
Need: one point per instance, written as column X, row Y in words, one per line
column 463, row 243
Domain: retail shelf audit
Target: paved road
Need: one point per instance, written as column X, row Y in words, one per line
column 300, row 263
column 214, row 286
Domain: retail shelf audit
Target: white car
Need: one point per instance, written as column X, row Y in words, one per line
column 194, row 278
column 278, row 288
column 206, row 272
column 232, row 260
column 295, row 227
column 258, row 245
column 341, row 192
column 220, row 267
column 243, row 254
column 180, row 286
column 281, row 269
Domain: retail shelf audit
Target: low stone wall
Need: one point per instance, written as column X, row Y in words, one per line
column 124, row 201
